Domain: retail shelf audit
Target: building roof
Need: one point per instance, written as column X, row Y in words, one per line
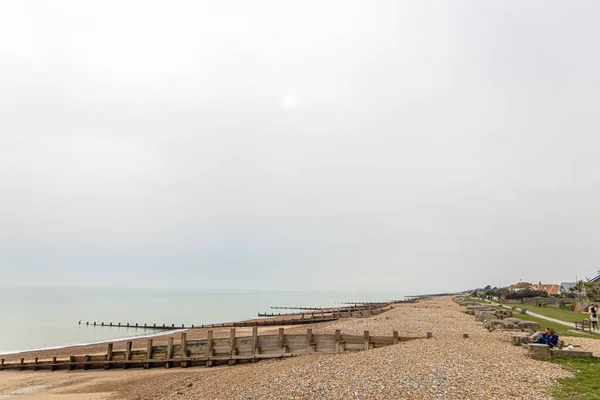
column 597, row 278
column 565, row 286
column 549, row 288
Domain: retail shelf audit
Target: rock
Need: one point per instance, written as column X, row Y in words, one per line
column 529, row 325
column 485, row 315
column 513, row 320
column 503, row 313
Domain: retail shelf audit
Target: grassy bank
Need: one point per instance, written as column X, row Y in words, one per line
column 561, row 330
column 586, row 383
column 553, row 312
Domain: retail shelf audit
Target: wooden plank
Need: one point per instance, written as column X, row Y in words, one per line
column 309, row 343
column 169, row 352
column 254, row 341
column 339, row 347
column 232, row 347
column 209, row 347
column 281, row 340
column 184, row 353
column 127, row 352
column 149, row 350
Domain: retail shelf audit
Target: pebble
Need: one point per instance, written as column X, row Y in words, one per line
column 443, row 367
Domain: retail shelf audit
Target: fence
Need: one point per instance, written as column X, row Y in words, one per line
column 210, row 352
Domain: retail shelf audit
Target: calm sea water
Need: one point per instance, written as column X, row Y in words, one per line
column 34, row 318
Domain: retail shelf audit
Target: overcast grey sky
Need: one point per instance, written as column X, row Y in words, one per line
column 414, row 146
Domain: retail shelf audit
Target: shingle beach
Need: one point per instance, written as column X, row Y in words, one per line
column 447, row 366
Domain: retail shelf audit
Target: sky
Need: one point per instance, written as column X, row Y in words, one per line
column 410, row 146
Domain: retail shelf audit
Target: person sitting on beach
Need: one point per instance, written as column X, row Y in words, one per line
column 544, row 338
column 551, row 338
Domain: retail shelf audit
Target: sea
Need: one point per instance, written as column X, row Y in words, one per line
column 45, row 318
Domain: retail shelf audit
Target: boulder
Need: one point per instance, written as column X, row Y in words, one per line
column 513, row 320
column 485, row 315
column 503, row 313
column 534, row 326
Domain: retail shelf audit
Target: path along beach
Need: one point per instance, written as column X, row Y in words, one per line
column 447, row 366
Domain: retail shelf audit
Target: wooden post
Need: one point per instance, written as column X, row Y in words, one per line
column 232, row 348
column 109, row 355
column 2, row 365
column 169, row 353
column 254, row 341
column 148, row 364
column 71, row 361
column 465, row 335
column 209, row 347
column 429, row 335
column 127, row 353
column 35, row 364
column 86, row 359
column 184, row 363
column 22, row 361
column 339, row 345
column 282, row 345
column 309, row 347
column 51, row 365
column 395, row 341
column 366, row 340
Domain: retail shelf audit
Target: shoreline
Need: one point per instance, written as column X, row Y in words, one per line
column 59, row 347
column 444, row 366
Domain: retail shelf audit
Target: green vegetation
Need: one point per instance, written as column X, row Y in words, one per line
column 477, row 300
column 586, row 383
column 554, row 312
column 561, row 330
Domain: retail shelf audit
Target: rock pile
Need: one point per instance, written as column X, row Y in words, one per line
column 495, row 319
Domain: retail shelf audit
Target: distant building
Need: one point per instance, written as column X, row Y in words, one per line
column 520, row 286
column 565, row 286
column 549, row 288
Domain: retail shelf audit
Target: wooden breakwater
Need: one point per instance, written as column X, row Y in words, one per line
column 136, row 325
column 210, row 351
column 288, row 319
column 334, row 314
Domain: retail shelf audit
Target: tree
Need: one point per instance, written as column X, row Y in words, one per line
column 503, row 292
column 578, row 289
column 591, row 291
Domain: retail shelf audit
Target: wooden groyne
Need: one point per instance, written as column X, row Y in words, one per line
column 302, row 308
column 313, row 319
column 334, row 314
column 294, row 319
column 209, row 352
column 136, row 325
